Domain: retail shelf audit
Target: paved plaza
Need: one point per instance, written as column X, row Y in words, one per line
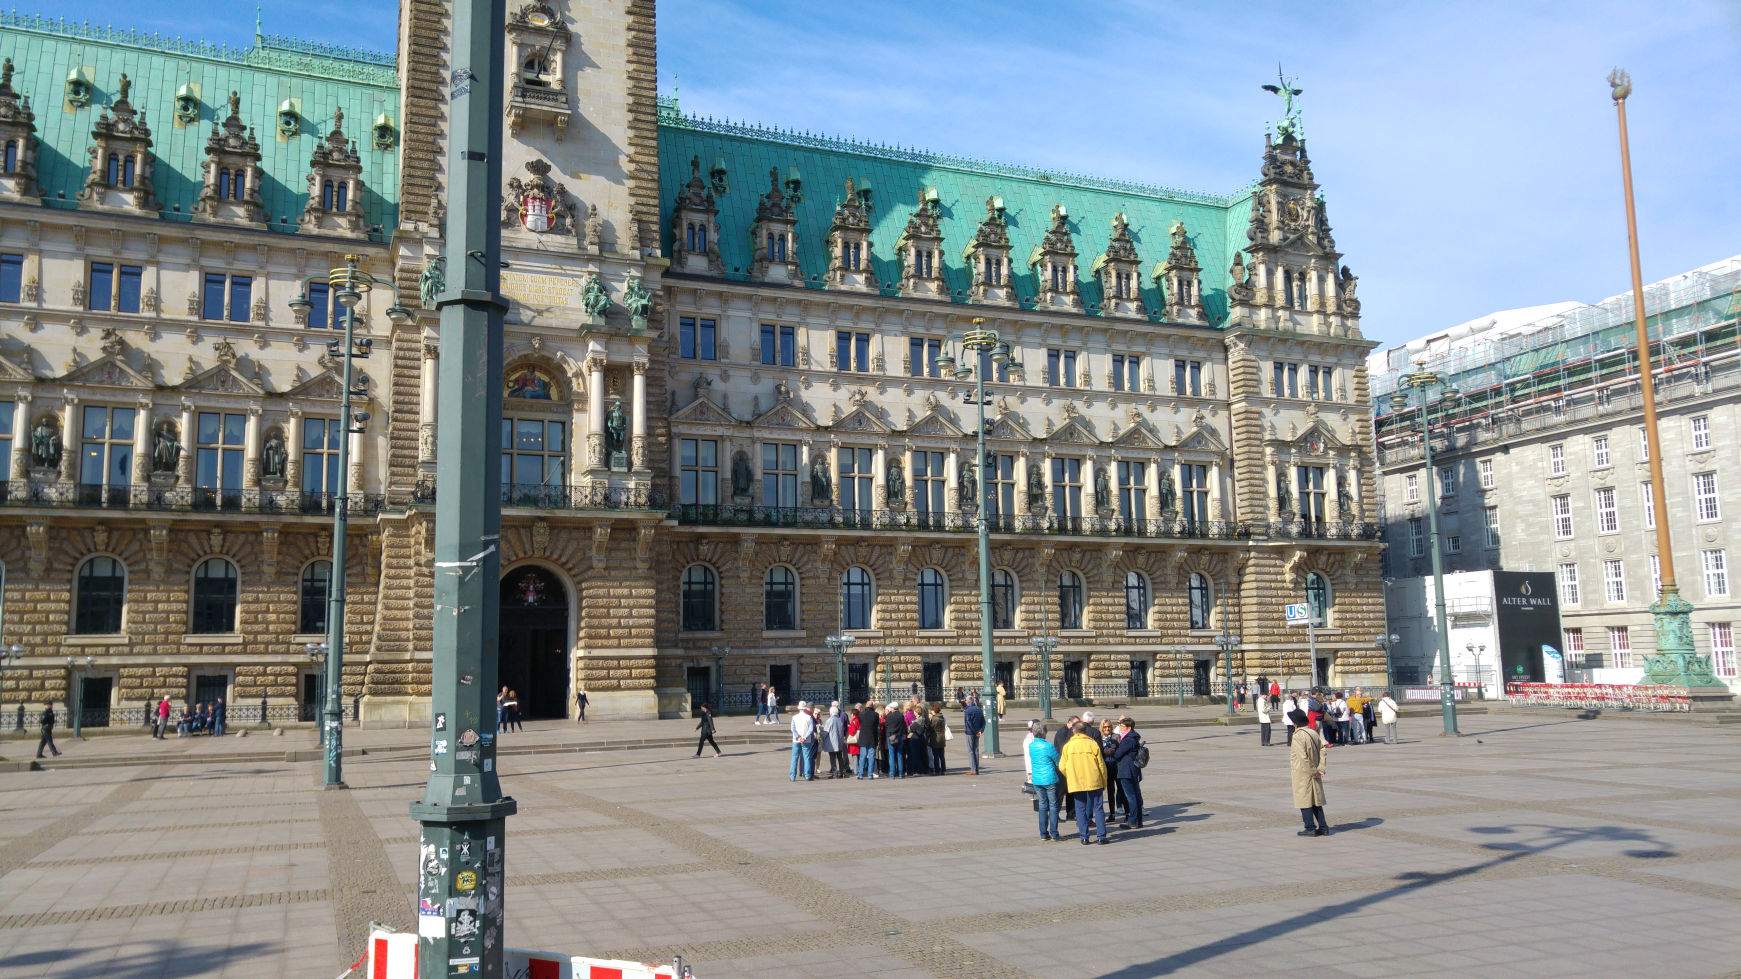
column 1538, row 845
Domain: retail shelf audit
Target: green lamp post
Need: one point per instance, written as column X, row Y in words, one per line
column 1420, row 381
column 1044, row 646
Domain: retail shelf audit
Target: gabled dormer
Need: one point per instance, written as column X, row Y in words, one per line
column 1291, row 263
column 920, row 248
column 232, row 173
column 537, row 82
column 17, row 142
column 1053, row 262
column 849, row 244
column 335, row 183
column 1120, row 273
column 1179, row 280
column 121, row 160
column 695, row 227
column 774, row 237
column 988, row 257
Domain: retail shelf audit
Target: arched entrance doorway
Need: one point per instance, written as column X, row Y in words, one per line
column 534, row 641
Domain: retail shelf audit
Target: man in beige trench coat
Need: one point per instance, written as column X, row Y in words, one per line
column 1306, row 760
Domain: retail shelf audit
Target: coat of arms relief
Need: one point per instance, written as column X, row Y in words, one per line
column 539, row 204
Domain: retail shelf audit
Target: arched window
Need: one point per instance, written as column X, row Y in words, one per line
column 127, row 171
column 534, row 70
column 340, row 195
column 1318, row 599
column 1136, row 601
column 700, row 599
column 701, row 238
column 855, row 599
column 326, row 195
column 780, row 243
column 1003, row 599
column 214, row 597
column 102, row 594
column 238, row 184
column 770, row 247
column 1201, row 600
column 689, row 236
column 316, row 580
column 1069, row 600
column 224, row 185
column 114, row 170
column 931, row 599
column 780, row 599
column 11, row 156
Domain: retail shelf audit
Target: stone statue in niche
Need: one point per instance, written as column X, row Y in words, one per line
column 273, row 457
column 969, row 487
column 1036, row 489
column 895, row 484
column 1169, row 500
column 45, row 443
column 1102, row 490
column 1344, row 503
column 616, row 428
column 1284, row 501
column 821, row 483
column 740, row 474
column 594, row 299
column 165, row 447
column 432, row 282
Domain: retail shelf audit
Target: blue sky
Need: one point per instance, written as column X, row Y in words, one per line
column 1467, row 150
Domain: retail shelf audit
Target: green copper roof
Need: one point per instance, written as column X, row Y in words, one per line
column 274, row 70
column 1215, row 225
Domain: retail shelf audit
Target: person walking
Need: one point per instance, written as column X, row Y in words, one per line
column 1084, row 771
column 705, row 726
column 580, row 701
column 1306, row 761
column 220, row 718
column 513, row 706
column 803, row 730
column 1043, row 765
column 1263, row 725
column 973, row 722
column 46, row 724
column 940, row 735
column 869, row 727
column 502, row 709
column 773, row 702
column 834, row 741
column 1387, row 712
column 1126, row 759
column 1344, row 719
column 895, row 736
column 1275, row 692
column 761, row 699
column 162, row 714
column 1239, row 692
column 1001, row 694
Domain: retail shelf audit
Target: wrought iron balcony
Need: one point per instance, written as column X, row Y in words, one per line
column 545, row 496
column 80, row 496
column 835, row 518
column 1325, row 530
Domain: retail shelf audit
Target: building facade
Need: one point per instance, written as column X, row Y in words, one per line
column 1542, row 465
column 726, row 434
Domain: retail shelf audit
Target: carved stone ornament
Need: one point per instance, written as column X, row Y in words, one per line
column 335, row 186
column 17, row 126
column 539, row 204
column 121, row 158
column 232, row 174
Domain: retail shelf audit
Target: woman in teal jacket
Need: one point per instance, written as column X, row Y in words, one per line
column 1044, row 758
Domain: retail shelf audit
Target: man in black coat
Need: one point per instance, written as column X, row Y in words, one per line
column 46, row 723
column 1066, row 803
column 1124, row 758
column 870, row 730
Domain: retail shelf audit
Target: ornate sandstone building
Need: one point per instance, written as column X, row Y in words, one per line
column 726, row 435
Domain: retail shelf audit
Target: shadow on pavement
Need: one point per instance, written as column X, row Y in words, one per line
column 159, row 960
column 1547, row 838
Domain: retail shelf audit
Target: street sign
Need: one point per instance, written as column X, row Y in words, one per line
column 1297, row 614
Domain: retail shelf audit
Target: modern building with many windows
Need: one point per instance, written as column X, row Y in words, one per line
column 1542, row 465
column 727, row 433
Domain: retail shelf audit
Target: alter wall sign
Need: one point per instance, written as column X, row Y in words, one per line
column 1527, row 617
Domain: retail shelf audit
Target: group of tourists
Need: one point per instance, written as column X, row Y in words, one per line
column 871, row 741
column 508, row 711
column 1086, row 771
column 1340, row 717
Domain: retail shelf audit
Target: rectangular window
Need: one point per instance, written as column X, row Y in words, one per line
column 1656, row 575
column 218, row 460
column 1574, row 639
column 1188, row 377
column 114, row 288
column 852, row 351
column 105, row 455
column 1701, row 432
column 1309, row 481
column 1061, row 368
column 534, row 461
column 1556, row 460
column 1067, row 489
column 779, row 474
column 102, row 286
column 241, row 297
column 1647, row 496
column 770, row 344
column 857, row 471
column 11, row 278
column 1194, row 493
column 1723, row 648
column 1643, row 445
column 1003, row 487
column 1133, row 491
column 1620, row 646
column 319, row 306
column 922, row 354
column 128, row 284
column 1562, row 518
column 1417, row 537
column 1447, row 481
column 1607, row 512
column 698, row 460
column 1411, row 488
column 1127, row 372
column 1318, row 383
column 1285, row 379
column 1485, row 467
column 1490, row 523
column 695, row 338
column 320, row 459
column 1716, row 573
column 929, row 484
column 1614, row 581
column 1569, row 585
column 1599, row 451
column 1454, row 544
column 1705, row 496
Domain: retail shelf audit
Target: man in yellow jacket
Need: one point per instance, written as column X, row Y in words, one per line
column 1084, row 771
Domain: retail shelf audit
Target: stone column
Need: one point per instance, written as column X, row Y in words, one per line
column 952, row 481
column 1022, row 484
column 426, row 402
column 189, row 445
column 1218, row 508
column 1152, row 490
column 1088, row 508
column 141, row 444
column 251, row 449
column 577, row 440
column 354, row 479
column 21, row 426
column 595, row 410
column 879, row 485
column 638, row 417
column 293, row 452
column 69, row 438
column 1332, row 494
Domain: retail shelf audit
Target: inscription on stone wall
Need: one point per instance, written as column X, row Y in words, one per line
column 538, row 293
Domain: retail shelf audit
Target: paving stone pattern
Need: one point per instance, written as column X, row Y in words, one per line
column 1538, row 845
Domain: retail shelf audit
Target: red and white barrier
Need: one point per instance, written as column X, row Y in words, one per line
column 393, row 955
